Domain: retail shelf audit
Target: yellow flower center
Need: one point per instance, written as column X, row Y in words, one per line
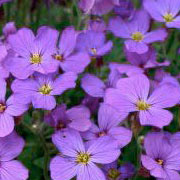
column 45, row 89
column 36, row 59
column 58, row 57
column 2, row 108
column 113, row 174
column 137, row 36
column 160, row 162
column 142, row 105
column 101, row 134
column 94, row 51
column 168, row 17
column 83, row 158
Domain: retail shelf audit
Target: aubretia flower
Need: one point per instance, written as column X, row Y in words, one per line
column 162, row 157
column 42, row 89
column 108, row 121
column 94, row 43
column 113, row 172
column 136, row 32
column 77, row 118
column 33, row 54
column 133, row 95
column 97, row 25
column 9, row 109
column 4, row 1
column 11, row 146
column 166, row 11
column 79, row 160
column 64, row 55
column 9, row 29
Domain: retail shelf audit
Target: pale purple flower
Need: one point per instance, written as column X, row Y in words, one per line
column 33, row 53
column 94, row 43
column 79, row 160
column 65, row 56
column 113, row 172
column 9, row 29
column 41, row 89
column 8, row 109
column 11, row 146
column 97, row 25
column 108, row 125
column 166, row 11
column 77, row 117
column 162, row 157
column 133, row 95
column 136, row 32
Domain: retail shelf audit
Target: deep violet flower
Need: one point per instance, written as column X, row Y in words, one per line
column 77, row 118
column 108, row 125
column 145, row 60
column 166, row 11
column 162, row 157
column 9, row 109
column 94, row 43
column 136, row 32
column 41, row 89
column 97, row 25
column 33, row 53
column 79, row 160
column 64, row 55
column 10, row 169
column 9, row 29
column 113, row 172
column 133, row 95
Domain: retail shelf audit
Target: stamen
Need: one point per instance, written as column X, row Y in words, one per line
column 94, row 51
column 160, row 161
column 168, row 17
column 2, row 108
column 142, row 105
column 58, row 57
column 45, row 89
column 83, row 158
column 113, row 174
column 36, row 58
column 137, row 36
column 100, row 134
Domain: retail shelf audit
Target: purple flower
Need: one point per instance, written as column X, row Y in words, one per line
column 164, row 11
column 77, row 118
column 4, row 1
column 42, row 89
column 108, row 121
column 145, row 60
column 33, row 54
column 133, row 95
column 112, row 171
column 79, row 160
column 10, row 169
column 162, row 157
column 97, row 25
column 94, row 43
column 67, row 60
column 9, row 109
column 136, row 32
column 9, row 29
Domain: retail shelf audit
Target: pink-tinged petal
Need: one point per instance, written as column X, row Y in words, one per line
column 148, row 162
column 22, row 42
column 158, row 172
column 41, row 101
column 62, row 168
column 93, row 86
column 86, row 6
column 69, row 142
column 11, row 146
column 104, row 150
column 108, row 117
column 6, row 124
column 156, row 35
column 138, row 47
column 172, row 175
column 63, row 83
column 119, row 28
column 90, row 172
column 122, row 135
column 153, row 9
column 13, row 170
column 155, row 117
column 19, row 67
column 15, row 107
column 121, row 103
column 167, row 95
column 79, row 117
column 2, row 89
column 75, row 63
column 67, row 41
column 134, row 88
column 105, row 49
column 175, row 23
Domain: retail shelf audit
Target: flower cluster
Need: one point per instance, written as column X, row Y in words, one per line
column 38, row 69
